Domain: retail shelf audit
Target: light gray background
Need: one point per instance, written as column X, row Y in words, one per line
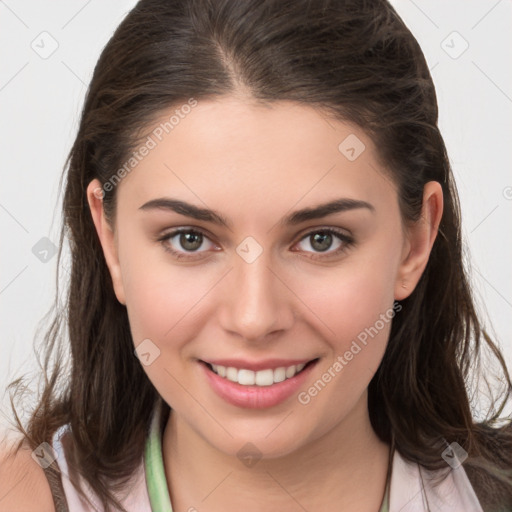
column 41, row 98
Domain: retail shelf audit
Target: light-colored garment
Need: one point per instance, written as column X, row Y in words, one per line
column 135, row 498
column 411, row 489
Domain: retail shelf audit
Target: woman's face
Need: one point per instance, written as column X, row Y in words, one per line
column 262, row 277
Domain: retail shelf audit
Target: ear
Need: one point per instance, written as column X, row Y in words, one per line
column 107, row 237
column 420, row 238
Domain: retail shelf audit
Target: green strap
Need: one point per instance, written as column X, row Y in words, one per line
column 385, row 502
column 155, row 474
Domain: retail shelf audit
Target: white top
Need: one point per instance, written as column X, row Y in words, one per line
column 136, row 497
column 408, row 493
column 410, row 488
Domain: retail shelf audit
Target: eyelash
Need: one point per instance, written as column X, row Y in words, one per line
column 347, row 242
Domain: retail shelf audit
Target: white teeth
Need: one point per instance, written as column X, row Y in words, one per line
column 279, row 374
column 263, row 377
column 259, row 378
column 290, row 371
column 246, row 377
column 232, row 374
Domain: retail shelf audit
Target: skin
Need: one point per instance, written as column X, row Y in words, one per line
column 255, row 164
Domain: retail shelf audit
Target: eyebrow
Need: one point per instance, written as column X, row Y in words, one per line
column 297, row 217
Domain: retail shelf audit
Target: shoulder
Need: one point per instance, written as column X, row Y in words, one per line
column 446, row 490
column 492, row 491
column 23, row 483
column 490, row 472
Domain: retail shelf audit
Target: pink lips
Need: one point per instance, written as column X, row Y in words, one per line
column 256, row 397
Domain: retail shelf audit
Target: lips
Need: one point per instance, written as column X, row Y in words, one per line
column 254, row 395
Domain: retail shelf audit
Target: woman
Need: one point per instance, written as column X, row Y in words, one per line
column 268, row 306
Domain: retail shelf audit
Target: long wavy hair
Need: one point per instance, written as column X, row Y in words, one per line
column 355, row 59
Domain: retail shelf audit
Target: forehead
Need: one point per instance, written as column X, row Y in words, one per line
column 246, row 155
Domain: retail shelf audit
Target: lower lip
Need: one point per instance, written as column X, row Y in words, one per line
column 256, row 397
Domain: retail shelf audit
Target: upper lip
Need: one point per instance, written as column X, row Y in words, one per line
column 258, row 365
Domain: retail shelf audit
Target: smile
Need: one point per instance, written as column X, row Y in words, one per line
column 259, row 388
column 259, row 378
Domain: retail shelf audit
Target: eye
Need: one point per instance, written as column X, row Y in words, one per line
column 186, row 243
column 186, row 240
column 328, row 241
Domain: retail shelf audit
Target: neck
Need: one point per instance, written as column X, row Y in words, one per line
column 343, row 470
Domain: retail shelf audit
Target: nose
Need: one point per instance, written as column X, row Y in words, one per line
column 256, row 302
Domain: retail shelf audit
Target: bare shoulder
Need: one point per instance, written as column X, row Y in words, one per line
column 23, row 483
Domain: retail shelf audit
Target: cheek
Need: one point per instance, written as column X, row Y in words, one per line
column 162, row 300
column 354, row 303
column 165, row 305
column 350, row 298
column 358, row 311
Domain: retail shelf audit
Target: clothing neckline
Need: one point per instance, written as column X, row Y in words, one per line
column 158, row 490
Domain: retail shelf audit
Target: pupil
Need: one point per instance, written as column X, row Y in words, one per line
column 191, row 241
column 321, row 241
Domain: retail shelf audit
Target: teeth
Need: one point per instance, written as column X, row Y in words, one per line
column 259, row 378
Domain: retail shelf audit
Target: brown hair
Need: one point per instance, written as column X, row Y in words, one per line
column 357, row 60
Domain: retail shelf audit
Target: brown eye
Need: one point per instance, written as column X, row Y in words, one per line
column 187, row 243
column 190, row 241
column 321, row 241
column 328, row 241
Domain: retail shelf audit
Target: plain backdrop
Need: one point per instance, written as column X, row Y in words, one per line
column 48, row 53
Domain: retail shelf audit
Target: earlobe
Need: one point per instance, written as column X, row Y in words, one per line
column 420, row 240
column 106, row 237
